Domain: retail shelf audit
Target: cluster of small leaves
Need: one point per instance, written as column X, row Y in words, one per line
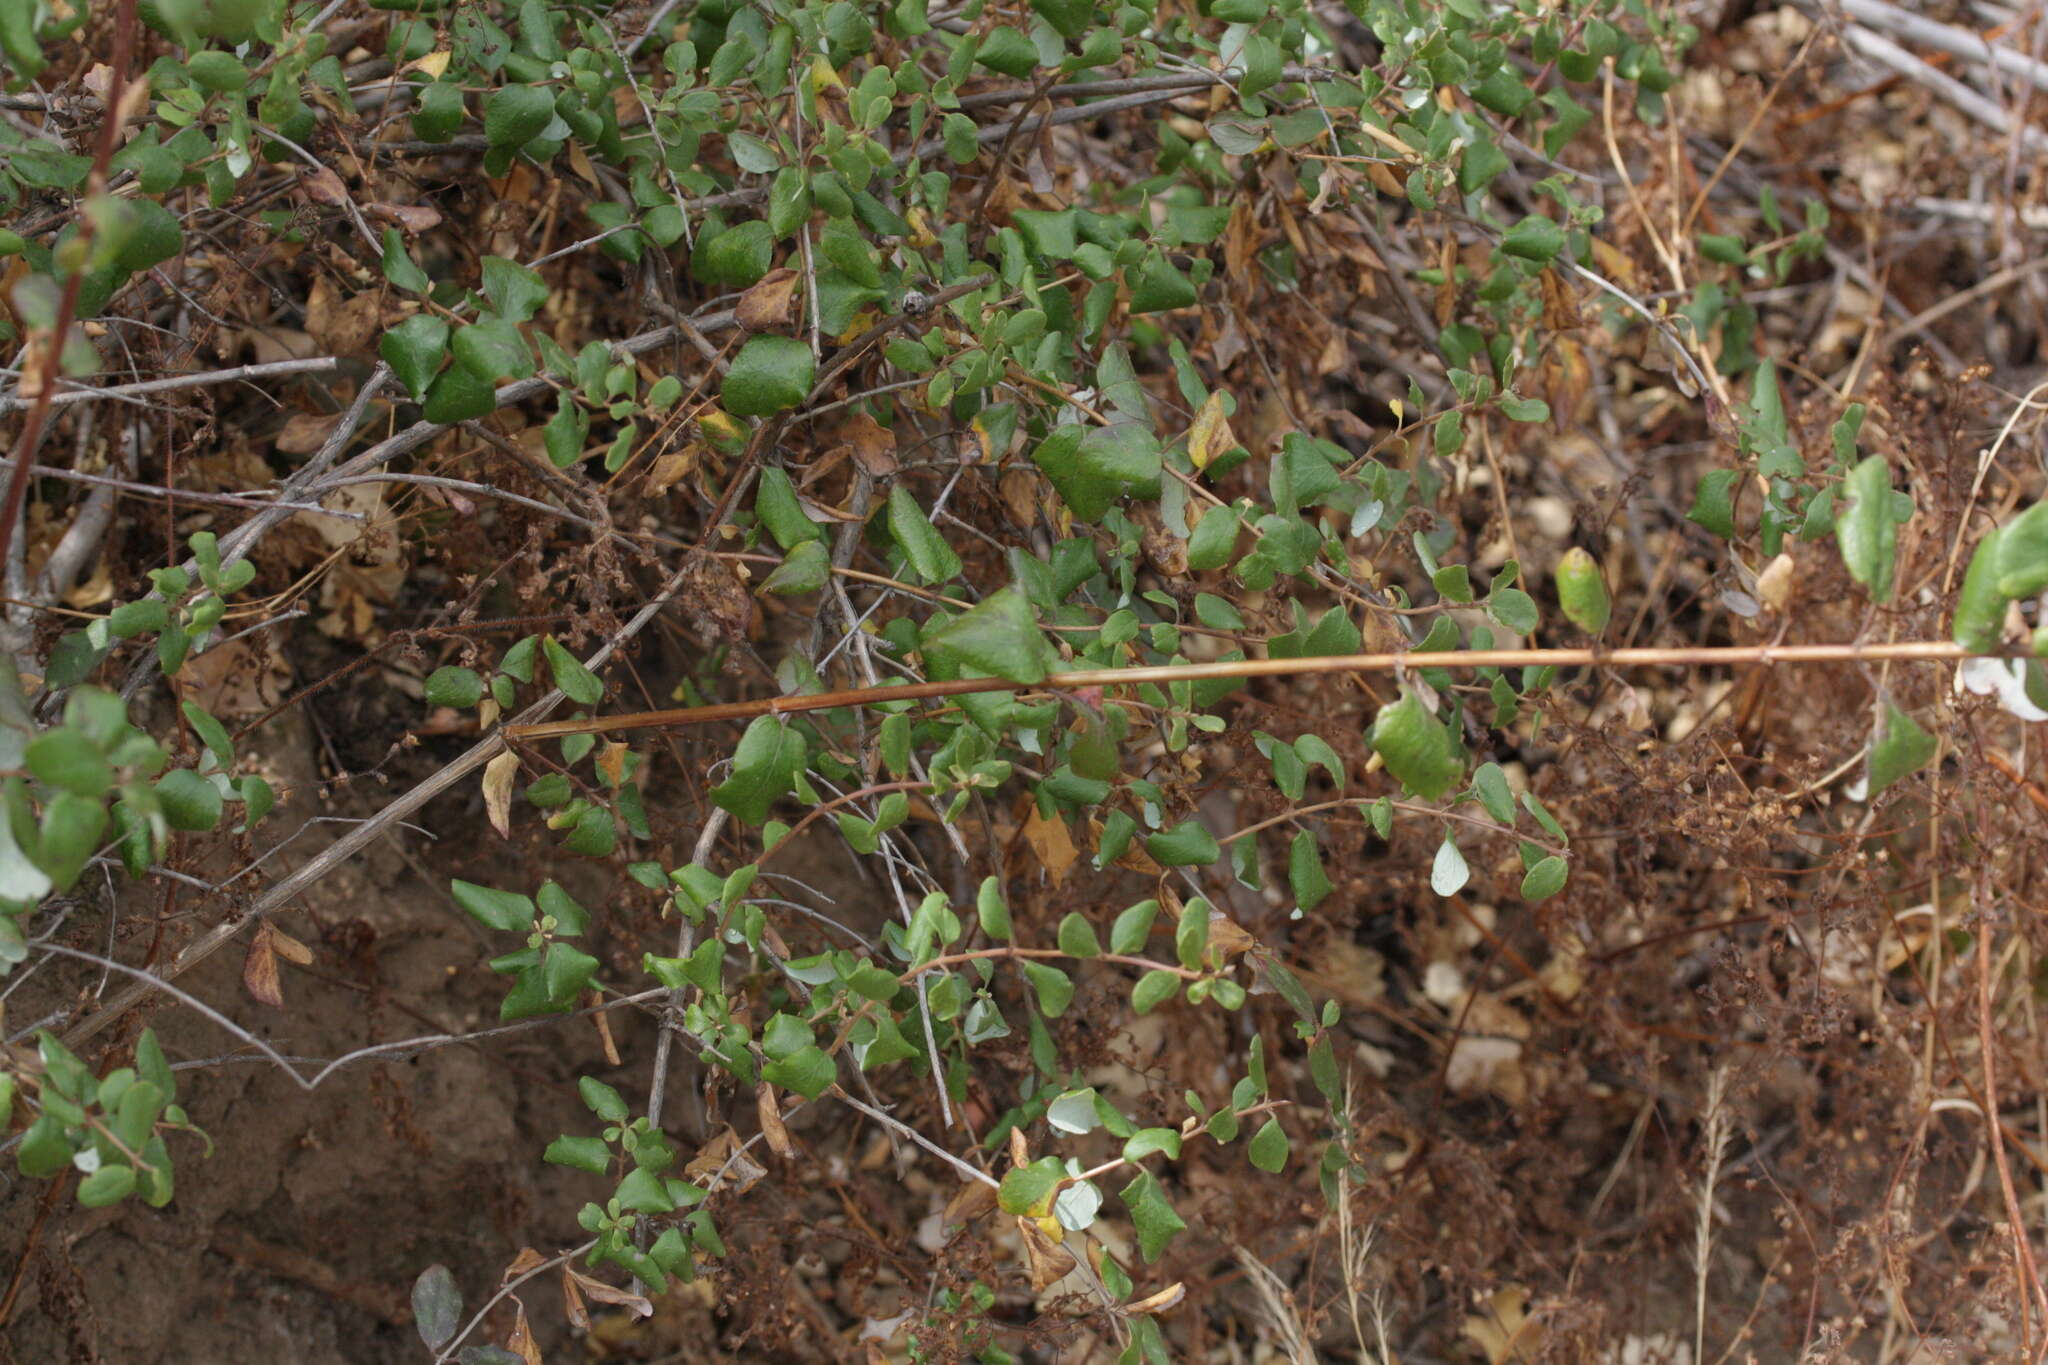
column 1718, row 307
column 93, row 779
column 644, row 1198
column 110, row 1128
column 548, row 973
column 1854, row 501
column 180, row 616
column 213, row 121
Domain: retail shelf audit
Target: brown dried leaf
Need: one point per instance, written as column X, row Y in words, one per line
column 1560, row 308
column 597, row 1291
column 95, row 590
column 874, row 445
column 1052, row 843
column 323, row 186
column 968, row 1203
column 603, row 1021
column 1048, row 1262
column 287, row 947
column 1503, row 1329
column 611, row 762
column 773, row 1131
column 1134, row 858
column 521, row 1342
column 342, row 326
column 1161, row 1301
column 670, row 469
column 1774, row 585
column 434, row 64
column 1021, row 491
column 303, row 433
column 1226, row 937
column 132, row 100
column 1230, row 342
column 238, row 678
column 498, row 776
column 579, row 162
column 722, row 1164
column 528, row 1259
column 626, row 103
column 766, row 304
column 414, row 218
column 1447, row 290
column 573, row 1307
column 259, row 969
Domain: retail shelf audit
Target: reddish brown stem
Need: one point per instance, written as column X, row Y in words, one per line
column 67, row 303
column 1252, row 668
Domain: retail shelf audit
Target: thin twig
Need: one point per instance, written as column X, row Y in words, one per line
column 1702, row 656
column 899, row 1126
column 156, row 490
column 2023, row 1262
column 1885, row 52
column 1956, row 42
column 76, row 392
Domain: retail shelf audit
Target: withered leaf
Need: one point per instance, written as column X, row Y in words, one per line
column 766, row 304
column 259, row 969
column 499, row 774
column 773, row 1131
column 323, row 186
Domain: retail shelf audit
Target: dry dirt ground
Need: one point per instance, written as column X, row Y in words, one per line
column 299, row 1236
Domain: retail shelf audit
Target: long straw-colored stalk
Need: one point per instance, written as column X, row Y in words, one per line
column 1081, row 679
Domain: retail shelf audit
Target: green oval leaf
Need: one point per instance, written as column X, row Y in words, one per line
column 453, row 686
column 769, row 375
column 516, row 115
column 1865, row 528
column 1416, row 747
column 1545, row 879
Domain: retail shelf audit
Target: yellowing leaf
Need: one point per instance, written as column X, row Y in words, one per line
column 1211, row 435
column 1159, row 1302
column 434, row 64
column 1503, row 1330
column 1052, row 843
column 611, row 762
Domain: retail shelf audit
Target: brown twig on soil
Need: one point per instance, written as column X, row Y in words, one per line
column 291, row 1263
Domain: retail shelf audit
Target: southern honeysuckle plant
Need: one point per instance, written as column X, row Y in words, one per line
column 878, row 277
